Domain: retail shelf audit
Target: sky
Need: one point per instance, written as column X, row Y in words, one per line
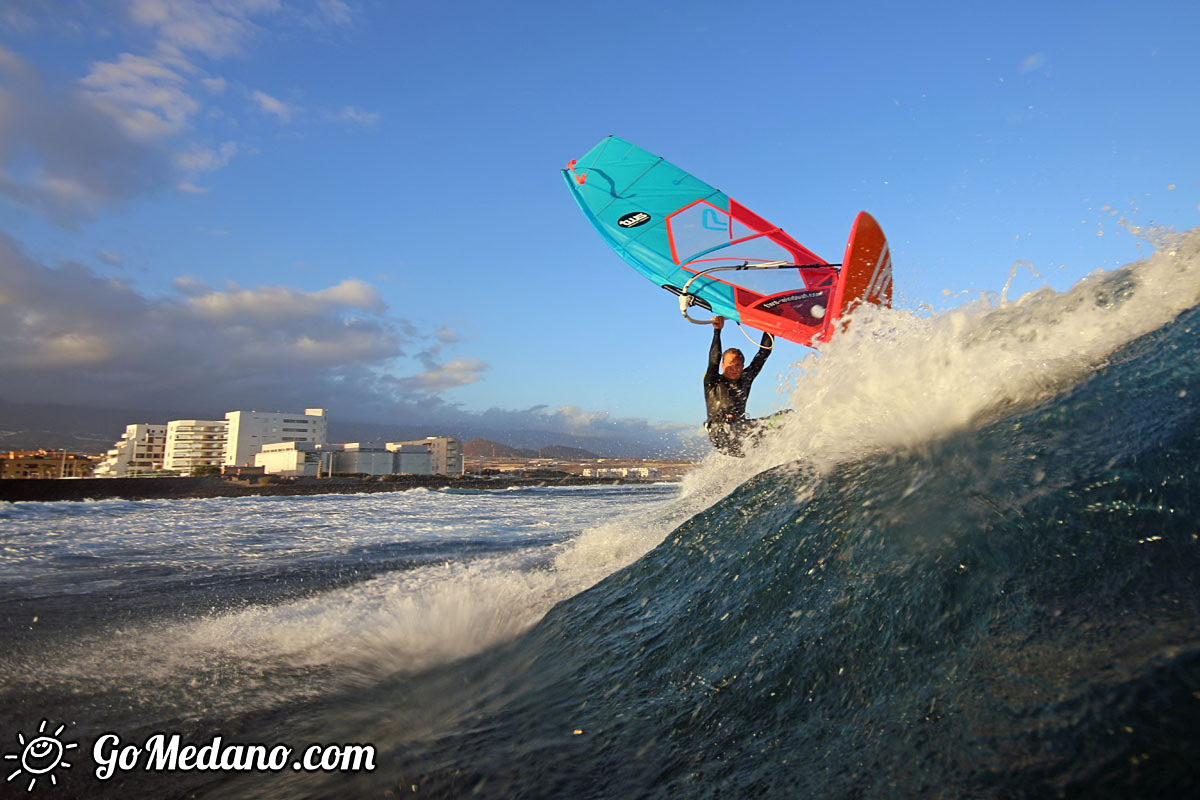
column 357, row 204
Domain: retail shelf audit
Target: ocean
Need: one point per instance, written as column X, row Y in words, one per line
column 966, row 566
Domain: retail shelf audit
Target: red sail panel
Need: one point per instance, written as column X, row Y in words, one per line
column 800, row 254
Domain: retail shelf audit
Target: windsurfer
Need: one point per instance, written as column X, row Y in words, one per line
column 726, row 389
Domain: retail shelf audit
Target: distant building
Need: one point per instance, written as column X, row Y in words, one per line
column 251, row 431
column 355, row 457
column 358, row 458
column 623, row 472
column 413, row 459
column 241, row 472
column 307, row 459
column 282, row 443
column 194, row 443
column 182, row 445
column 44, row 464
column 139, row 451
column 293, row 459
column 446, row 453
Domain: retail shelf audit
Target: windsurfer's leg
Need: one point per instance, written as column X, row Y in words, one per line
column 725, row 439
column 750, row 431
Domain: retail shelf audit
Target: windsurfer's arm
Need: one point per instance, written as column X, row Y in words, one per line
column 714, row 351
column 760, row 358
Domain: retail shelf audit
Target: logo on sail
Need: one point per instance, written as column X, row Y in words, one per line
column 633, row 219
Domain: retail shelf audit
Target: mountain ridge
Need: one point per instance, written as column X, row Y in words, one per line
column 486, row 448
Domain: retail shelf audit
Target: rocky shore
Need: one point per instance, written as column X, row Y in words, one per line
column 54, row 490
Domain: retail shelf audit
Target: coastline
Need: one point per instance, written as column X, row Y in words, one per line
column 51, row 490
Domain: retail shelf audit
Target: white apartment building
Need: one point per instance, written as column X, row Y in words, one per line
column 192, row 443
column 251, row 431
column 446, row 453
column 139, row 451
column 282, row 443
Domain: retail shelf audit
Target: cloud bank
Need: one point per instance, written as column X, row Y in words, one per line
column 69, row 332
column 130, row 126
column 63, row 155
column 71, row 336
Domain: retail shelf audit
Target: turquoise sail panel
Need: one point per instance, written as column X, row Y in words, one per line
column 669, row 225
column 622, row 179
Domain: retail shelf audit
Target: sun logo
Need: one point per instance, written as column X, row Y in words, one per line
column 40, row 756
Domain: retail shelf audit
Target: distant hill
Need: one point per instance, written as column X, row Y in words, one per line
column 75, row 428
column 566, row 453
column 486, row 448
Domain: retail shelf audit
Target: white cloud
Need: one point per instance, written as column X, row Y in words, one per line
column 145, row 95
column 66, row 17
column 354, row 293
column 216, row 29
column 188, row 285
column 272, row 105
column 336, row 12
column 69, row 330
column 440, row 377
column 280, row 303
column 109, row 257
column 357, row 116
column 538, row 426
column 446, row 335
column 64, row 155
column 128, row 127
column 214, row 85
column 575, row 417
column 207, row 158
column 16, row 19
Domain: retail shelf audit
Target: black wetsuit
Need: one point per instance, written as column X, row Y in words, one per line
column 725, row 399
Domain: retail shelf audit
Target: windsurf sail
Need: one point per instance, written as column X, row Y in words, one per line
column 697, row 242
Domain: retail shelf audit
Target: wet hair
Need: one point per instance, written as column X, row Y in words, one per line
column 733, row 351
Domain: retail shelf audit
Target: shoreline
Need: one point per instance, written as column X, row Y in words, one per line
column 52, row 490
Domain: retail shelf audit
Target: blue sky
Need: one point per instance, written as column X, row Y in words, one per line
column 357, row 205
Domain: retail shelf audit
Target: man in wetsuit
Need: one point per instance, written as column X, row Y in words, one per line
column 726, row 389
